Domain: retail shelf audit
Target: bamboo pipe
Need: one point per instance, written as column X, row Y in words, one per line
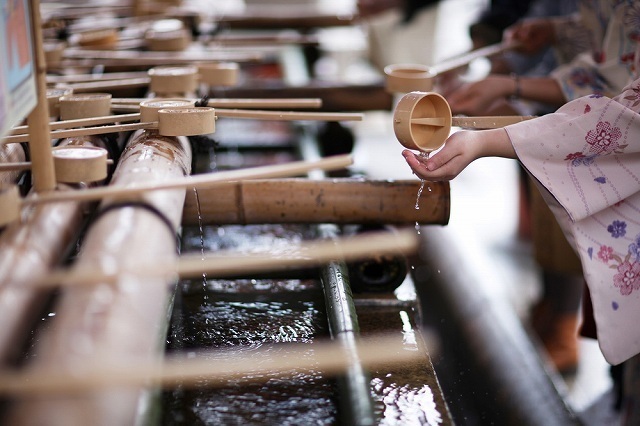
column 30, row 247
column 219, row 112
column 121, row 322
column 227, row 263
column 188, row 371
column 339, row 201
column 39, row 133
column 198, row 181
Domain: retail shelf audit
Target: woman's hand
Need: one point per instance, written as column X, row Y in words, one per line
column 531, row 35
column 462, row 148
column 478, row 98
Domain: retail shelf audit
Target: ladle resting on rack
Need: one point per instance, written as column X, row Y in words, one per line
column 176, row 118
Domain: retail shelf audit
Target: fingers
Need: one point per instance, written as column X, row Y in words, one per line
column 438, row 168
column 462, row 100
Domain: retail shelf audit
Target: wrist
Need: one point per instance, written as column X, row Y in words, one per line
column 497, row 143
column 516, row 92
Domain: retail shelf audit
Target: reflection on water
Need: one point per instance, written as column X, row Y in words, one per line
column 405, row 404
column 234, row 321
column 247, row 239
column 244, row 323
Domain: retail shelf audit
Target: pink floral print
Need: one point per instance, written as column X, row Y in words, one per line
column 604, row 139
column 628, row 277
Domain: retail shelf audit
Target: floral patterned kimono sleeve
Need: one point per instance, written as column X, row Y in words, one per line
column 606, row 67
column 587, row 156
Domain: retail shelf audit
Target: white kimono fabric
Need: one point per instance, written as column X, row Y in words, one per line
column 587, row 156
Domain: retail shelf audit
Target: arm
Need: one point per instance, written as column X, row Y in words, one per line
column 532, row 34
column 478, row 98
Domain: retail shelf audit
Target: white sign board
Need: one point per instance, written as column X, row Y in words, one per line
column 17, row 73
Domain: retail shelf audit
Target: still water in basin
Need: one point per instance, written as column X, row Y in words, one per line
column 244, row 314
column 241, row 316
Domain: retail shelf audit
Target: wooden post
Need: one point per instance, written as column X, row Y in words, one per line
column 44, row 177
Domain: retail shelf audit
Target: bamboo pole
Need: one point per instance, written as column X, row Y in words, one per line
column 30, row 248
column 464, row 60
column 24, row 165
column 482, row 122
column 285, row 37
column 219, row 112
column 81, row 122
column 287, row 115
column 107, row 85
column 331, row 358
column 39, row 134
column 123, row 57
column 117, row 322
column 240, row 102
column 81, row 78
column 84, row 131
column 339, row 201
column 226, row 263
column 208, row 180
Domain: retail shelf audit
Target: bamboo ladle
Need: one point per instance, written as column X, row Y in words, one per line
column 189, row 121
column 168, row 79
column 403, row 78
column 73, row 164
column 171, row 122
column 10, row 201
column 422, row 121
